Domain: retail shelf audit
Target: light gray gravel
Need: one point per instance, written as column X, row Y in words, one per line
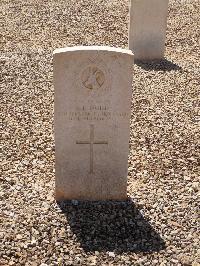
column 158, row 225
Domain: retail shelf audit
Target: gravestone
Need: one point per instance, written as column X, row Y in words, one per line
column 147, row 28
column 93, row 88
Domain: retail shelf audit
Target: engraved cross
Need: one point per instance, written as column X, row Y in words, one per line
column 91, row 142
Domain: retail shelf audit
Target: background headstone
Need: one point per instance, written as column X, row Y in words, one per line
column 147, row 28
column 93, row 88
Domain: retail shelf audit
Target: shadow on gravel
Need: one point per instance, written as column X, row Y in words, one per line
column 111, row 226
column 158, row 65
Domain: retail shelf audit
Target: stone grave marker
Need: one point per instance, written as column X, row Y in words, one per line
column 147, row 28
column 93, row 89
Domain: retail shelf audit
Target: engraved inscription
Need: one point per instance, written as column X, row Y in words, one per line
column 94, row 114
column 91, row 142
column 93, row 78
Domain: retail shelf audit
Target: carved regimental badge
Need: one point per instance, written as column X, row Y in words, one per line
column 92, row 78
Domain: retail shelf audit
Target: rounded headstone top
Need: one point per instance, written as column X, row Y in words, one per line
column 92, row 48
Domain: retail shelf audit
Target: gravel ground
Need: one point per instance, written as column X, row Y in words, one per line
column 158, row 224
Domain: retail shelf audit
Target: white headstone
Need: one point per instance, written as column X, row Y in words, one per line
column 147, row 28
column 93, row 88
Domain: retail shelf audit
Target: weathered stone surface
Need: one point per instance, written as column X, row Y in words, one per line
column 147, row 28
column 92, row 113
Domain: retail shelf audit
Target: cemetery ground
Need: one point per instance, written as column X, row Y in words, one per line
column 158, row 224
